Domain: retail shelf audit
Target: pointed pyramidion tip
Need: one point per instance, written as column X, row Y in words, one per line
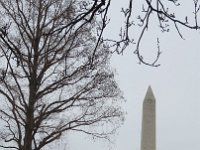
column 149, row 94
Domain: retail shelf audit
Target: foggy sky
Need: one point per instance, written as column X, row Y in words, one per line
column 176, row 86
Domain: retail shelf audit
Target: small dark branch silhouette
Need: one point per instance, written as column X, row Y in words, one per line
column 164, row 18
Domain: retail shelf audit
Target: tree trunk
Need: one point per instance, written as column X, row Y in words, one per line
column 30, row 118
column 28, row 130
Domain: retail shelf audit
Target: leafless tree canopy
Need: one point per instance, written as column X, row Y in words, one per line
column 54, row 74
column 91, row 9
column 54, row 71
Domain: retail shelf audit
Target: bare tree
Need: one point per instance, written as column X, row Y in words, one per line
column 55, row 74
column 88, row 10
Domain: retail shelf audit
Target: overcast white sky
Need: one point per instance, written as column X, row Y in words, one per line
column 176, row 86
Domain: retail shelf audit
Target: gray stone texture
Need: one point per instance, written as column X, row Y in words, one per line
column 148, row 139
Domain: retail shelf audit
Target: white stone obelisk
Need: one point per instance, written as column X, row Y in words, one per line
column 148, row 139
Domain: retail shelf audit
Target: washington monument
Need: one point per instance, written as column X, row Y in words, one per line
column 148, row 137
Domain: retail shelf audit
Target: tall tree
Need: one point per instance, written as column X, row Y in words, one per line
column 55, row 74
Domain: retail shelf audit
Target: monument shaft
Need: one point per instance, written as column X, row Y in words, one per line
column 148, row 139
